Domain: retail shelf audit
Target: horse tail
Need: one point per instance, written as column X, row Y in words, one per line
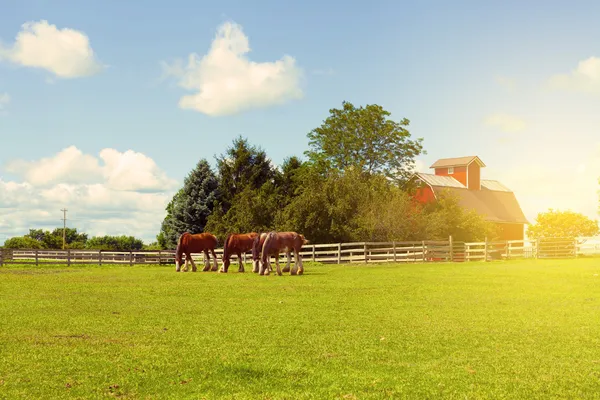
column 225, row 250
column 266, row 246
column 255, row 243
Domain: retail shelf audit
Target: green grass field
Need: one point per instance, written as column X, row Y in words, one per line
column 521, row 330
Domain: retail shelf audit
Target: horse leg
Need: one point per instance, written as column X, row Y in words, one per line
column 194, row 269
column 265, row 267
column 287, row 266
column 215, row 262
column 206, row 262
column 277, row 264
column 294, row 270
column 241, row 269
column 185, row 265
column 299, row 262
column 255, row 267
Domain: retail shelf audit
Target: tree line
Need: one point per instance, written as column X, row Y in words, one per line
column 353, row 185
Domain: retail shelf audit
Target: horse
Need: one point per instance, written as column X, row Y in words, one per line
column 257, row 246
column 237, row 244
column 196, row 243
column 275, row 242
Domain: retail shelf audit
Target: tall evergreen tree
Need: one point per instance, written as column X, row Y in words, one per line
column 191, row 206
column 242, row 166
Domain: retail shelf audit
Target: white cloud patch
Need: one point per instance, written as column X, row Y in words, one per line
column 67, row 53
column 115, row 193
column 226, row 82
column 120, row 171
column 505, row 122
column 4, row 100
column 585, row 78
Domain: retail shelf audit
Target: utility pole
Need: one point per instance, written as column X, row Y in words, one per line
column 64, row 210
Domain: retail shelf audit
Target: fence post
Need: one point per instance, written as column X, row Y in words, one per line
column 36, row 257
column 423, row 252
column 1, row 257
column 537, row 248
column 394, row 246
column 313, row 253
column 130, row 258
column 159, row 257
column 366, row 255
column 451, row 248
column 69, row 257
column 485, row 249
column 100, row 258
column 339, row 253
column 507, row 255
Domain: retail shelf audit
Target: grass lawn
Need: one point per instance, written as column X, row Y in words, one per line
column 521, row 329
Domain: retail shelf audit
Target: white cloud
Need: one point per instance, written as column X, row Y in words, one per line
column 420, row 166
column 226, row 82
column 65, row 52
column 584, row 78
column 505, row 122
column 121, row 171
column 4, row 100
column 126, row 195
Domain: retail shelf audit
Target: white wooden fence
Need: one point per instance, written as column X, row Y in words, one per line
column 339, row 253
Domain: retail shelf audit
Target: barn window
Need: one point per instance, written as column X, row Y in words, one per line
column 450, row 170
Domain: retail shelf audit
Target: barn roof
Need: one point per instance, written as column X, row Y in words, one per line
column 494, row 201
column 457, row 162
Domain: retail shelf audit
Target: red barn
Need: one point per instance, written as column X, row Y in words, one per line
column 491, row 199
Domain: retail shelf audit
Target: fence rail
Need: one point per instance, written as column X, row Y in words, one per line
column 361, row 252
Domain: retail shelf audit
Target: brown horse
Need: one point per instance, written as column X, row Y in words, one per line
column 276, row 242
column 197, row 243
column 237, row 244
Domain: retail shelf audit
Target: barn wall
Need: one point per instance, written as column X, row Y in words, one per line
column 460, row 173
column 511, row 231
column 474, row 176
column 424, row 194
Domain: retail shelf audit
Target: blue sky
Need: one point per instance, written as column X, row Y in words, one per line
column 516, row 84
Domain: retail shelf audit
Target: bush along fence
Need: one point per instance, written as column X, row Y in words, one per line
column 337, row 253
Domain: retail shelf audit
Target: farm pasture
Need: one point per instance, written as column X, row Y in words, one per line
column 510, row 329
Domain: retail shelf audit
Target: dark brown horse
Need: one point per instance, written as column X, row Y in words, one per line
column 237, row 244
column 277, row 242
column 197, row 243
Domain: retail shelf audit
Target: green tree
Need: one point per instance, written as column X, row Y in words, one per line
column 250, row 188
column 54, row 239
column 364, row 138
column 114, row 243
column 242, row 166
column 328, row 208
column 447, row 217
column 23, row 242
column 562, row 224
column 191, row 206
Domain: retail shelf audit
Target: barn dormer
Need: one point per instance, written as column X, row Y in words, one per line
column 466, row 170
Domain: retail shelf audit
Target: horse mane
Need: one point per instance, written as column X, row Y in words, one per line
column 179, row 250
